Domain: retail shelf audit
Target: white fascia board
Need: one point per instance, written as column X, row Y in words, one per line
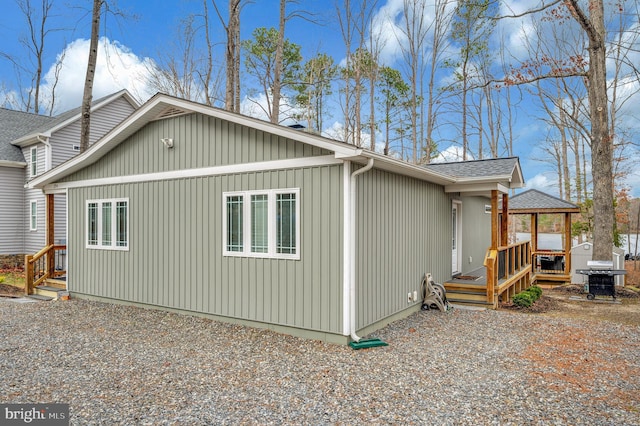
column 31, row 139
column 17, row 164
column 150, row 110
column 262, row 166
column 476, row 188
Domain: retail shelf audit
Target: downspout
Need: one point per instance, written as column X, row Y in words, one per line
column 47, row 152
column 352, row 247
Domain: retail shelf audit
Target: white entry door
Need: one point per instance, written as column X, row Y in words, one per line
column 456, row 249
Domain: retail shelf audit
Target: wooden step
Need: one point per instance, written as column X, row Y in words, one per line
column 467, row 296
column 57, row 282
column 48, row 291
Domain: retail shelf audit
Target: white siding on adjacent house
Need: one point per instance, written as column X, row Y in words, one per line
column 62, row 142
column 12, row 219
column 33, row 240
column 102, row 121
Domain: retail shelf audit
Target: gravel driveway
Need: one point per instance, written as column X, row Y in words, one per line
column 131, row 366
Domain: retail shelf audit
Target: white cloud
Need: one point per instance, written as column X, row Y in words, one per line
column 117, row 68
column 542, row 183
column 451, row 154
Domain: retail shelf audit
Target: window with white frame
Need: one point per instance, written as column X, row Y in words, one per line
column 33, row 163
column 33, row 215
column 108, row 224
column 262, row 223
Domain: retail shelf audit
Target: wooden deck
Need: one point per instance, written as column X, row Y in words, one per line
column 507, row 271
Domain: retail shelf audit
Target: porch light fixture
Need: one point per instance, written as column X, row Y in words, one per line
column 168, row 142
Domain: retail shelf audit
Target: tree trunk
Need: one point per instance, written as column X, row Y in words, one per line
column 277, row 72
column 87, row 95
column 601, row 141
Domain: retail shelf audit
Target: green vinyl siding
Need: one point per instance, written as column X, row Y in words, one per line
column 175, row 251
column 199, row 141
column 403, row 230
column 476, row 232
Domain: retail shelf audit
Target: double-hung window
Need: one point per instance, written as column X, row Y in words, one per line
column 33, row 215
column 108, row 224
column 33, row 163
column 262, row 223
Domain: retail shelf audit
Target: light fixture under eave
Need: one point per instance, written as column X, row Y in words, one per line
column 168, row 142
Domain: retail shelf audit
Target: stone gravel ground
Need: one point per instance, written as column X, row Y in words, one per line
column 132, row 366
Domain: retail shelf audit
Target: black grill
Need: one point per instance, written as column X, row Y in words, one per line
column 602, row 278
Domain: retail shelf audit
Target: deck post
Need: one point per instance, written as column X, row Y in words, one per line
column 504, row 225
column 50, row 234
column 567, row 243
column 494, row 219
column 28, row 272
column 534, row 241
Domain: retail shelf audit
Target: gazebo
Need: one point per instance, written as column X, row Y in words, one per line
column 550, row 265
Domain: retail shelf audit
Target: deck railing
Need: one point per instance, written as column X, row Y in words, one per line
column 507, row 264
column 550, row 262
column 47, row 263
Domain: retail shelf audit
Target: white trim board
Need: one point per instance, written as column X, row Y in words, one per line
column 262, row 166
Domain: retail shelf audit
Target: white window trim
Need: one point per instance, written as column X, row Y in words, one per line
column 33, row 165
column 113, row 245
column 271, row 224
column 33, row 216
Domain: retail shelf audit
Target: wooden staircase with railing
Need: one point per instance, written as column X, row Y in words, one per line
column 45, row 274
column 507, row 271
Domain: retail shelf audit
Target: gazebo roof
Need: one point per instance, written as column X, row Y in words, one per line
column 534, row 201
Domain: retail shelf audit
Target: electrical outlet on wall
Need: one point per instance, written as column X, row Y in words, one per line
column 470, row 259
column 409, row 300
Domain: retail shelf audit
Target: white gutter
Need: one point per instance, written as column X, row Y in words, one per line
column 352, row 247
column 17, row 164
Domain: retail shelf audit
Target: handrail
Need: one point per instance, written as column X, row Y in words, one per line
column 41, row 266
column 507, row 263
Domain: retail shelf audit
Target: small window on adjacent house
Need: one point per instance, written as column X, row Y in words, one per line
column 108, row 224
column 33, row 216
column 76, row 147
column 33, row 163
column 267, row 227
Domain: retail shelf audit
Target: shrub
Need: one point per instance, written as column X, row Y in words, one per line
column 1, row 279
column 535, row 291
column 523, row 299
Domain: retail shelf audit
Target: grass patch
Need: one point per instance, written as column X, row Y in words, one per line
column 13, row 276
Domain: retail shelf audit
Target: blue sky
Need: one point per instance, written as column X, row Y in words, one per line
column 131, row 44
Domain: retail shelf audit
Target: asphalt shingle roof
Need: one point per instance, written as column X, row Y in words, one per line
column 533, row 199
column 15, row 124
column 478, row 168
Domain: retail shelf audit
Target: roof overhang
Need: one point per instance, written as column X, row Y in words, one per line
column 17, row 164
column 163, row 106
column 543, row 211
column 482, row 189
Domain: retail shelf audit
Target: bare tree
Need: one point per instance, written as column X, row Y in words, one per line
column 232, row 53
column 37, row 15
column 594, row 72
column 87, row 95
